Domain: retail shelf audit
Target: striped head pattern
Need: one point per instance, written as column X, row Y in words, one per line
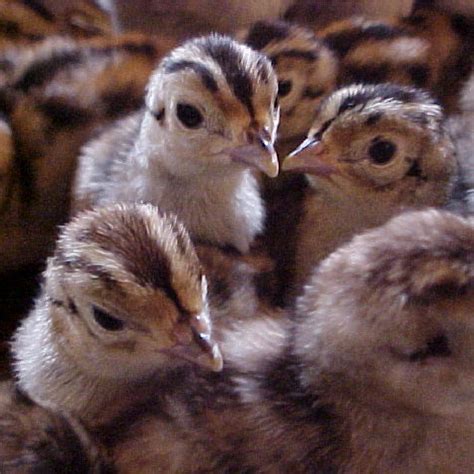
column 306, row 70
column 126, row 286
column 370, row 137
column 212, row 102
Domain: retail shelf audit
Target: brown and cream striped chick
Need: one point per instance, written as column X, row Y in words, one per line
column 124, row 300
column 376, row 51
column 372, row 152
column 210, row 120
column 57, row 94
column 35, row 439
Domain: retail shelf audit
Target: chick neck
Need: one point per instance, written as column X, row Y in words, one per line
column 218, row 203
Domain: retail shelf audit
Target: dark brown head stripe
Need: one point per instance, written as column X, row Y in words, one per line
column 224, row 51
column 262, row 33
column 384, row 92
column 41, row 71
column 202, row 71
column 140, row 253
column 341, row 42
column 39, row 9
column 62, row 114
column 297, row 54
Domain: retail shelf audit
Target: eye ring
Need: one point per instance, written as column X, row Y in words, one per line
column 381, row 151
column 284, row 88
column 106, row 320
column 189, row 115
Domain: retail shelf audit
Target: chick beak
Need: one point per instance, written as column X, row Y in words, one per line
column 259, row 152
column 197, row 345
column 310, row 157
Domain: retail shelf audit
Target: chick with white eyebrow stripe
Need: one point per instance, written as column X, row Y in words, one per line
column 210, row 121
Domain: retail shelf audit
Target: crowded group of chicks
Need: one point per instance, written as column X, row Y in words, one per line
column 203, row 310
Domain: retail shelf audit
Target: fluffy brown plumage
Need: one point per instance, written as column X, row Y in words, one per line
column 428, row 48
column 29, row 22
column 34, row 439
column 57, row 94
column 372, row 373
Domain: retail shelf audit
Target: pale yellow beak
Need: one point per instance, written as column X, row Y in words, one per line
column 310, row 157
column 259, row 153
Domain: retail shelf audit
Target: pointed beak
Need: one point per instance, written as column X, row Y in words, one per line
column 197, row 346
column 258, row 153
column 310, row 157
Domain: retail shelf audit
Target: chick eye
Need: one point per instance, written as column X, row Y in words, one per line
column 381, row 151
column 189, row 116
column 284, row 88
column 107, row 321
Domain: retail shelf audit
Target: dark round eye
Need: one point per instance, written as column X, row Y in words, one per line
column 382, row 151
column 107, row 321
column 189, row 116
column 284, row 88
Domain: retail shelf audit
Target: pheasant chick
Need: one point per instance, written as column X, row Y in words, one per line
column 372, row 152
column 123, row 301
column 210, row 120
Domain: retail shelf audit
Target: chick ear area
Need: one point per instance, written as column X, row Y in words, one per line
column 106, row 320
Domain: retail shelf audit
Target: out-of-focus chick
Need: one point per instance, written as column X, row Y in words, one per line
column 372, row 152
column 428, row 48
column 382, row 355
column 376, row 51
column 58, row 94
column 24, row 22
column 210, row 120
column 450, row 58
column 306, row 70
column 373, row 373
column 34, row 439
column 123, row 300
